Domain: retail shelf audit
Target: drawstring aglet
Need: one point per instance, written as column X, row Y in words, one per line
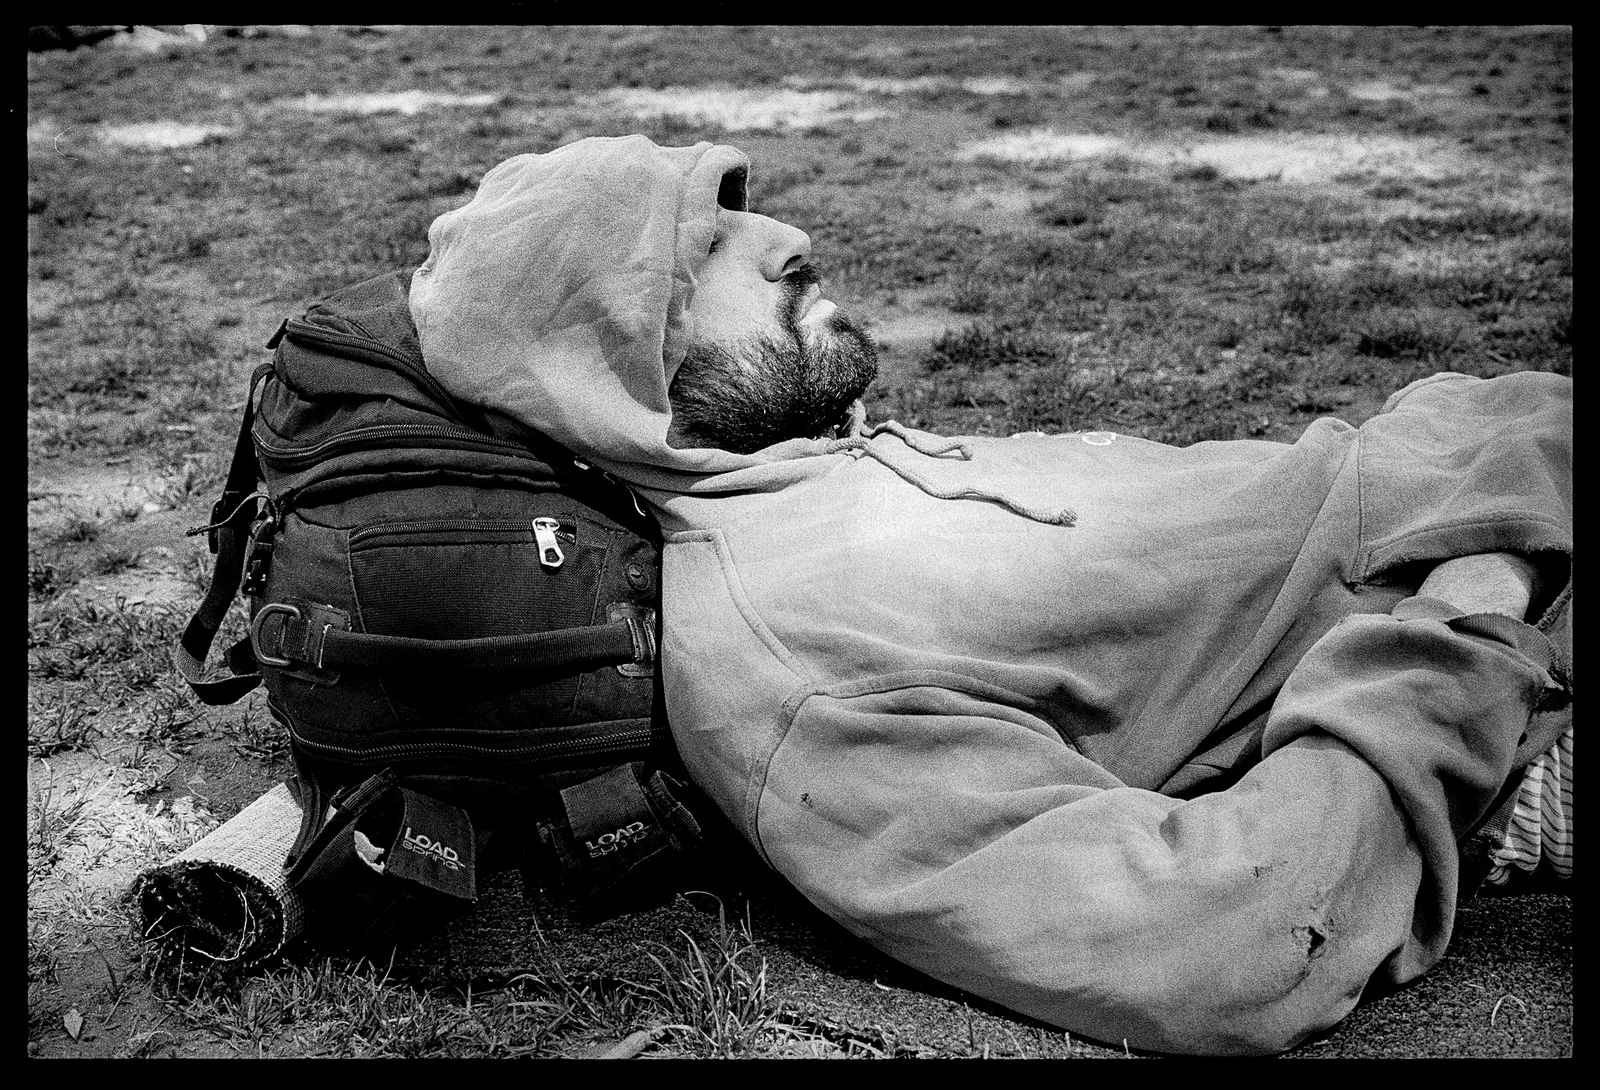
column 195, row 531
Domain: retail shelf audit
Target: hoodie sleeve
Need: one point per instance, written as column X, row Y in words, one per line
column 961, row 837
column 1442, row 703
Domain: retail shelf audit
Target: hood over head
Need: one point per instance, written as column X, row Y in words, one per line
column 558, row 296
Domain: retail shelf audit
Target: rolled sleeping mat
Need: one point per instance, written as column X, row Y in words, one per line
column 226, row 897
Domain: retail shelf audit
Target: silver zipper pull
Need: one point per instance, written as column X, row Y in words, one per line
column 544, row 535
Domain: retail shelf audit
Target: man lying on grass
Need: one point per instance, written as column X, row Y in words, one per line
column 1177, row 746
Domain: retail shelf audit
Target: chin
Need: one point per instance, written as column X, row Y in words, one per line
column 751, row 396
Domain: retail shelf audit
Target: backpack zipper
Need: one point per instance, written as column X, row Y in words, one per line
column 564, row 529
column 628, row 741
column 544, row 534
column 377, row 435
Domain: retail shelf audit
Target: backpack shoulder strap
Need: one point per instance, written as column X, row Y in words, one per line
column 228, row 536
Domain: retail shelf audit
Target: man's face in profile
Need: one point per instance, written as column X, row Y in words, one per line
column 771, row 359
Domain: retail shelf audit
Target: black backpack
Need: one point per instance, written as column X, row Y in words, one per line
column 456, row 622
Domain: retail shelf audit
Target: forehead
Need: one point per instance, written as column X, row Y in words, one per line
column 752, row 227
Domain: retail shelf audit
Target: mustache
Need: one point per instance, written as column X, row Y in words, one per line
column 802, row 278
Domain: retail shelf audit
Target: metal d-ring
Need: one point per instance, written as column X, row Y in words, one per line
column 255, row 633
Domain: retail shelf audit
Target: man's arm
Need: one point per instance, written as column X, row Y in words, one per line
column 964, row 840
column 1486, row 583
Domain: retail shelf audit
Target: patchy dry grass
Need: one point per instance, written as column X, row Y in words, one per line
column 1182, row 234
column 702, row 997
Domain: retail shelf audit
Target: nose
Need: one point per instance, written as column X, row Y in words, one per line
column 781, row 249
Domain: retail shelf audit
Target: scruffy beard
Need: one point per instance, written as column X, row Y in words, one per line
column 769, row 389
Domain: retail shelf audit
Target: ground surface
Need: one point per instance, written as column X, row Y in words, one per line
column 1182, row 234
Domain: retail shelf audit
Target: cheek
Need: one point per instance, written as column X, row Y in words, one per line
column 724, row 313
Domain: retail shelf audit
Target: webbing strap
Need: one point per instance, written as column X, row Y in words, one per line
column 566, row 650
column 307, row 636
column 229, row 533
column 324, row 818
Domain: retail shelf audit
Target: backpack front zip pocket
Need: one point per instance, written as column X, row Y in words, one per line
column 459, row 578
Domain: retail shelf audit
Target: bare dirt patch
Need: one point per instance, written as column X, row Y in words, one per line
column 43, row 133
column 405, row 103
column 128, row 521
column 1378, row 90
column 66, row 488
column 895, row 86
column 744, row 110
column 1304, row 159
column 161, row 134
column 1044, row 146
column 100, row 834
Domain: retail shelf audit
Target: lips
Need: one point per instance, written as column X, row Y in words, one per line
column 806, row 306
column 812, row 305
column 818, row 311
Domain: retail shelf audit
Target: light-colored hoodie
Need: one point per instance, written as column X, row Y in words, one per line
column 1149, row 743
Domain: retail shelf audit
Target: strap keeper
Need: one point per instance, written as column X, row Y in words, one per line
column 641, row 624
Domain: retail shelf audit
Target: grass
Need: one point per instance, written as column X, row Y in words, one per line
column 257, row 735
column 78, row 638
column 718, row 1006
column 1173, row 299
column 115, row 559
column 101, row 680
column 1161, row 286
column 702, row 998
column 79, row 530
column 60, row 724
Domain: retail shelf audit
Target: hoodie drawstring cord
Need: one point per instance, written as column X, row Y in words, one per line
column 934, row 447
column 859, row 437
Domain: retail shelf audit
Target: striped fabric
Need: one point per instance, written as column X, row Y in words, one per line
column 1541, row 818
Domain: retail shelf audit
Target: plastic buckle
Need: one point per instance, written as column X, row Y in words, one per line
column 255, row 576
column 258, row 557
